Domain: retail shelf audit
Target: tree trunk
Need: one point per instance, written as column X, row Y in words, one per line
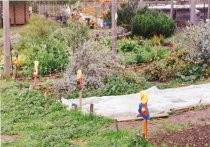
column 208, row 9
column 114, row 29
column 6, row 36
column 172, row 9
column 192, row 11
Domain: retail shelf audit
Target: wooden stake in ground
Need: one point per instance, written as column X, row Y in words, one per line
column 79, row 84
column 114, row 29
column 6, row 36
column 143, row 110
column 35, row 72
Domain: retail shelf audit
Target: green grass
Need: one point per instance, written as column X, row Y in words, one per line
column 42, row 121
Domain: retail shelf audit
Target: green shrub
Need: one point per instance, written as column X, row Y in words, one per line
column 44, row 40
column 38, row 43
column 132, row 53
column 148, row 23
column 128, row 45
column 175, row 66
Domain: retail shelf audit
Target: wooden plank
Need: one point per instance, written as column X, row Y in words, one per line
column 163, row 115
column 184, row 109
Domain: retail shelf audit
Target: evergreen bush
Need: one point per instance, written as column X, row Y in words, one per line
column 148, row 23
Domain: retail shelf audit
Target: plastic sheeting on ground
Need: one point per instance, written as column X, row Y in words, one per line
column 160, row 101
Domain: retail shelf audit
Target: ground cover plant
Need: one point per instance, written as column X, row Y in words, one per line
column 40, row 120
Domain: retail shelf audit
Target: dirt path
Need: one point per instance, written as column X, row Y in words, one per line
column 190, row 128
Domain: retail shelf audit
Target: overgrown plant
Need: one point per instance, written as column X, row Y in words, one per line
column 96, row 63
column 196, row 39
column 44, row 40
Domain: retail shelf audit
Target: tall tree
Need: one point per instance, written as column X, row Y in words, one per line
column 6, row 36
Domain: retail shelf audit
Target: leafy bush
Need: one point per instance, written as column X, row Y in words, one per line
column 175, row 66
column 132, row 53
column 128, row 45
column 148, row 23
column 96, row 63
column 196, row 40
column 51, row 45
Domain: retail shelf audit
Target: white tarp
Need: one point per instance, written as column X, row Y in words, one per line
column 160, row 101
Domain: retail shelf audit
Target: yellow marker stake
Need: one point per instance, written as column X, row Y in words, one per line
column 35, row 72
column 79, row 80
column 144, row 99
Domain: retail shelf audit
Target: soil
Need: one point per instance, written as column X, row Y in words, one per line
column 197, row 136
column 6, row 138
column 191, row 128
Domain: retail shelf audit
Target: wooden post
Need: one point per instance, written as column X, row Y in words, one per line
column 75, row 106
column 145, row 135
column 35, row 72
column 6, row 36
column 208, row 10
column 116, row 125
column 114, row 29
column 80, row 98
column 91, row 109
column 172, row 9
column 192, row 11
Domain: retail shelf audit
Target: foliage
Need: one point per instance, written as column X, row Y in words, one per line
column 117, row 84
column 157, row 40
column 193, row 72
column 148, row 23
column 42, row 121
column 96, row 63
column 39, row 28
column 128, row 45
column 133, row 53
column 38, row 43
column 196, row 40
column 174, row 66
column 75, row 34
column 125, row 13
column 44, row 40
column 106, row 41
column 127, row 83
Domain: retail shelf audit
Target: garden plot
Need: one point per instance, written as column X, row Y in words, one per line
column 160, row 101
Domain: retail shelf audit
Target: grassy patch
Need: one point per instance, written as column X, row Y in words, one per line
column 176, row 127
column 42, row 121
